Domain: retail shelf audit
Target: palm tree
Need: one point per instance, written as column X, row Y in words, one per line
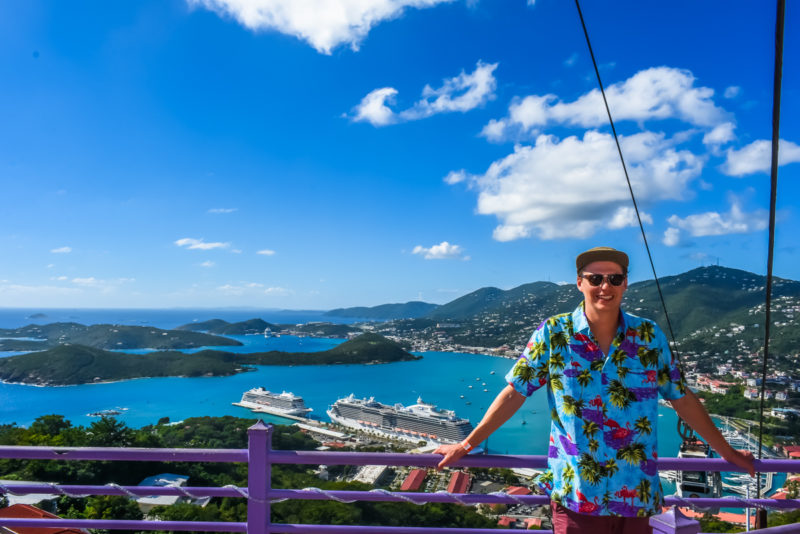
column 619, row 395
column 622, row 372
column 559, row 340
column 648, row 357
column 590, row 469
column 585, row 378
column 644, row 491
column 597, row 365
column 590, row 428
column 569, row 474
column 594, row 445
column 610, row 468
column 523, row 371
column 554, row 416
column 646, row 331
column 633, row 454
column 557, row 361
column 643, row 425
column 538, row 348
column 618, row 357
column 663, row 375
column 572, row 406
column 555, row 382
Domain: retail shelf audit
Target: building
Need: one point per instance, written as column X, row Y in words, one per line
column 459, row 482
column 518, row 490
column 370, row 474
column 165, row 480
column 414, row 480
column 26, row 511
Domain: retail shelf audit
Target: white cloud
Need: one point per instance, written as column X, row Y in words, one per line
column 59, row 278
column 104, row 285
column 207, row 263
column 454, row 177
column 266, row 252
column 442, row 251
column 253, row 289
column 626, row 216
column 574, row 187
column 61, row 250
column 720, row 135
column 9, row 290
column 570, row 61
column 651, row 94
column 199, row 244
column 757, row 157
column 672, row 237
column 461, row 93
column 713, row 223
column 732, row 91
column 373, row 108
column 220, row 211
column 458, row 94
column 324, row 24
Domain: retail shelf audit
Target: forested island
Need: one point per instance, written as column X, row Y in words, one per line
column 80, row 364
column 106, row 336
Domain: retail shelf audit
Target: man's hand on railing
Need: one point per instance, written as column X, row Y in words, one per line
column 743, row 459
column 452, row 453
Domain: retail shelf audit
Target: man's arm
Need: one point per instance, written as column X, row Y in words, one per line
column 694, row 413
column 502, row 408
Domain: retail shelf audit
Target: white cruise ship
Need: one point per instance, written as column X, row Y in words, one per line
column 418, row 422
column 261, row 400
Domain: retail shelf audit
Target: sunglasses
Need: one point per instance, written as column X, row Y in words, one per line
column 598, row 279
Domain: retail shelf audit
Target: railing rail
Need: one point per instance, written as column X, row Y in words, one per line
column 259, row 494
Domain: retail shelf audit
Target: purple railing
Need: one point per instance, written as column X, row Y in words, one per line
column 259, row 493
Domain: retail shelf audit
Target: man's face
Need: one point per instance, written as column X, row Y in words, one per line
column 604, row 297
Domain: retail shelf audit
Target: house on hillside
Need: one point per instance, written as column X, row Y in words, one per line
column 164, row 480
column 27, row 511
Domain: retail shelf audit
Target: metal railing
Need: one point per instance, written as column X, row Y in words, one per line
column 260, row 458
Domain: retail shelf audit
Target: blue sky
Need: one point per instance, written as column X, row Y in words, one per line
column 325, row 153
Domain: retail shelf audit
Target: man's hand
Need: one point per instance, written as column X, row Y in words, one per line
column 743, row 459
column 452, row 453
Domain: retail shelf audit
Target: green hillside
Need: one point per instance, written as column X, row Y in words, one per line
column 77, row 364
column 110, row 336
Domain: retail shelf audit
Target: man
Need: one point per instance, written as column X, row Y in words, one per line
column 604, row 370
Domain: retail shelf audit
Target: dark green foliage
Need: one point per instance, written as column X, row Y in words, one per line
column 75, row 364
column 709, row 523
column 206, row 432
column 109, row 336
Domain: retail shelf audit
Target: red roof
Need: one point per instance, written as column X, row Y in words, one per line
column 459, row 482
column 532, row 521
column 506, row 521
column 414, row 480
column 788, row 449
column 26, row 511
column 518, row 490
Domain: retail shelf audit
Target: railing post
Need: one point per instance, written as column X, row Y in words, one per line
column 674, row 522
column 259, row 475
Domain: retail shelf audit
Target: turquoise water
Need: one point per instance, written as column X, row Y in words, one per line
column 440, row 378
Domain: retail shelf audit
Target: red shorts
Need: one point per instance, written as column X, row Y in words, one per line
column 566, row 521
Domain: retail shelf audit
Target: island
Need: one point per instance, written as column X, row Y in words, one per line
column 79, row 364
column 106, row 336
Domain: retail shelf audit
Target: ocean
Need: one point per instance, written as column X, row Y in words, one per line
column 439, row 378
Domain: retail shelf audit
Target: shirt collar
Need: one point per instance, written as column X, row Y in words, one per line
column 581, row 324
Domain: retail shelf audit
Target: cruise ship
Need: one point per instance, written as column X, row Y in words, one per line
column 418, row 422
column 261, row 400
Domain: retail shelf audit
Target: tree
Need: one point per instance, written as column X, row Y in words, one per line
column 633, row 453
column 49, row 425
column 643, row 425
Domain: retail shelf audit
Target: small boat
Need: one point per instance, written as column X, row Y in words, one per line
column 491, row 373
column 462, row 396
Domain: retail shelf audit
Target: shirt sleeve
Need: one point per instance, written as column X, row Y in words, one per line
column 532, row 369
column 671, row 382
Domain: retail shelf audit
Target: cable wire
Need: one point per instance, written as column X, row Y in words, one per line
column 630, row 187
column 776, row 116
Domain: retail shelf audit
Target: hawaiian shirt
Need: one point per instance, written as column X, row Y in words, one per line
column 602, row 454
